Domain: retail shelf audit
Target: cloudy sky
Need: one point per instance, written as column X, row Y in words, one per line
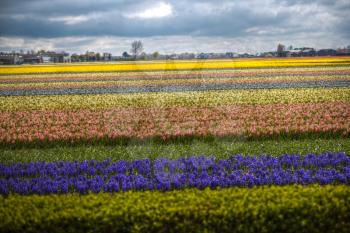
column 171, row 26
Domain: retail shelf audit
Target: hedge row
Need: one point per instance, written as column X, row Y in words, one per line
column 261, row 209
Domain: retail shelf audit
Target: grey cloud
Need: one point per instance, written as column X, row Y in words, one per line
column 108, row 19
column 265, row 19
column 171, row 44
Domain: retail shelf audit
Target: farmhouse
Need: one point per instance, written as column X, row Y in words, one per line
column 301, row 52
column 326, row 52
column 31, row 59
column 9, row 59
column 343, row 52
column 54, row 57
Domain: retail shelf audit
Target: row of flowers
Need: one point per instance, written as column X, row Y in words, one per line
column 180, row 74
column 199, row 86
column 165, row 174
column 179, row 65
column 169, row 82
column 236, row 120
column 173, row 99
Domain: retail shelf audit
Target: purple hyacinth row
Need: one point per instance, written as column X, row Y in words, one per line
column 165, row 174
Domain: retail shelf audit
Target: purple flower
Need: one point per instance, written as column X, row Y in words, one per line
column 164, row 174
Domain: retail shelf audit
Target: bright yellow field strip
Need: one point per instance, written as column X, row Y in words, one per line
column 184, row 81
column 169, row 99
column 161, row 74
column 172, row 65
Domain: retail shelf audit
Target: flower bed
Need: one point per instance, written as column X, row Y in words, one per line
column 187, row 65
column 115, row 124
column 291, row 208
column 175, row 99
column 165, row 174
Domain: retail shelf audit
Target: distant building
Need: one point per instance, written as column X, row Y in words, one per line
column 246, row 55
column 107, row 57
column 60, row 57
column 66, row 57
column 308, row 52
column 53, row 57
column 10, row 59
column 90, row 56
column 77, row 58
column 172, row 56
column 31, row 59
column 46, row 59
column 186, row 56
column 300, row 52
column 326, row 52
column 215, row 55
column 6, row 60
column 231, row 55
column 203, row 56
column 343, row 52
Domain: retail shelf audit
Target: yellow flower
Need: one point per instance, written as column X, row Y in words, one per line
column 174, row 65
column 168, row 99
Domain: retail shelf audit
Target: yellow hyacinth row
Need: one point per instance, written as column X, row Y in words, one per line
column 171, row 99
column 174, row 65
column 161, row 74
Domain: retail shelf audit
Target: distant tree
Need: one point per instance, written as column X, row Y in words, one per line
column 143, row 56
column 98, row 56
column 290, row 47
column 125, row 54
column 136, row 48
column 42, row 51
column 155, row 54
column 280, row 50
column 74, row 57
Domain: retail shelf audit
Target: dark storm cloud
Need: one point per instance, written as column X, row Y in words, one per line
column 60, row 18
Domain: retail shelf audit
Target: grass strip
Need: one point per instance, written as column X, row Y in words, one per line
column 261, row 209
column 134, row 150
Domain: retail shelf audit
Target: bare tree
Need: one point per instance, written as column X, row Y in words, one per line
column 136, row 48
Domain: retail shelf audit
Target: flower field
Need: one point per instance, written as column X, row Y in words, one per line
column 182, row 65
column 247, row 145
column 164, row 174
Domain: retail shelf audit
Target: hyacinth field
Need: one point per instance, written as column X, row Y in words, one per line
column 246, row 145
